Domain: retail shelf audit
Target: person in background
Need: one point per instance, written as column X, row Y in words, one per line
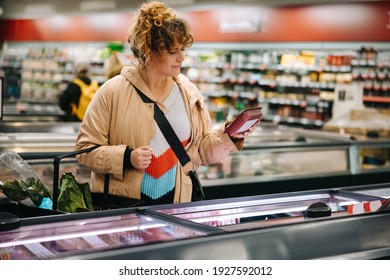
column 70, row 97
column 112, row 62
column 113, row 66
column 132, row 148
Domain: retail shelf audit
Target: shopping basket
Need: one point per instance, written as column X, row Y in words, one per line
column 101, row 201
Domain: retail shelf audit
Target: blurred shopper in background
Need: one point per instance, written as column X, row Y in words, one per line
column 113, row 63
column 132, row 148
column 75, row 99
column 113, row 66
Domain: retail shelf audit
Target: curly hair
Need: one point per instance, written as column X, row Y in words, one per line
column 156, row 29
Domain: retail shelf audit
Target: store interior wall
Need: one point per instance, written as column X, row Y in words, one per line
column 41, row 8
column 326, row 22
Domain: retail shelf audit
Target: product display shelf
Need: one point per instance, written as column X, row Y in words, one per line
column 374, row 76
column 45, row 68
column 294, row 83
column 304, row 225
column 294, row 86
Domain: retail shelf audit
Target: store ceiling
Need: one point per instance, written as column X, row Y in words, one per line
column 40, row 8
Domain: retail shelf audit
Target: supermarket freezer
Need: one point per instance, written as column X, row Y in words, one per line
column 279, row 159
column 261, row 227
column 279, row 151
column 38, row 137
column 280, row 226
column 24, row 112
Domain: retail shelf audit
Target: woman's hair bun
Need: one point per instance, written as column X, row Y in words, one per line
column 155, row 13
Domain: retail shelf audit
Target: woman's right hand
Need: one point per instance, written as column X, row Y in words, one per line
column 141, row 157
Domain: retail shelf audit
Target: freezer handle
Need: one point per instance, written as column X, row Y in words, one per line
column 56, row 164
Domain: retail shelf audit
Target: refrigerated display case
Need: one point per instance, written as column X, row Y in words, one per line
column 259, row 227
column 40, row 142
column 284, row 152
column 89, row 233
column 24, row 112
column 278, row 159
column 370, row 155
column 38, row 137
column 275, row 209
column 273, row 152
column 372, row 190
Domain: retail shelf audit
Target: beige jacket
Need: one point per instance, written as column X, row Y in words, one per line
column 117, row 117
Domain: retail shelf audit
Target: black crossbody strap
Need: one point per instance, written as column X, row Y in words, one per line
column 167, row 130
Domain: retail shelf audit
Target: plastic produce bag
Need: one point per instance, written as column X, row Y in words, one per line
column 74, row 197
column 19, row 181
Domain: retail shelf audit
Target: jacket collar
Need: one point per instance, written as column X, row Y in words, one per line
column 192, row 92
column 132, row 74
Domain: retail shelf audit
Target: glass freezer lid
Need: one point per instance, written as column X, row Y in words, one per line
column 382, row 190
column 265, row 134
column 385, row 193
column 269, row 208
column 56, row 240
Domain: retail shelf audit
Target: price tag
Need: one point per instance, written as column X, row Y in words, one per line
column 347, row 97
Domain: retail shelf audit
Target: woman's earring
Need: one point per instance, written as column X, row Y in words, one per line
column 146, row 63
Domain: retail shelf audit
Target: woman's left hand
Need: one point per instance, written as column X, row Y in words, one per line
column 246, row 133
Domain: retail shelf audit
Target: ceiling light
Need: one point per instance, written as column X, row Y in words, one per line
column 178, row 2
column 97, row 5
column 39, row 8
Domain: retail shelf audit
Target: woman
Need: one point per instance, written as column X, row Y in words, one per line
column 133, row 150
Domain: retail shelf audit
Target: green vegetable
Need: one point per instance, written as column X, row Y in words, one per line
column 87, row 195
column 36, row 190
column 14, row 191
column 29, row 188
column 73, row 196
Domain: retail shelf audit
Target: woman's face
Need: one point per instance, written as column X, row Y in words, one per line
column 169, row 62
